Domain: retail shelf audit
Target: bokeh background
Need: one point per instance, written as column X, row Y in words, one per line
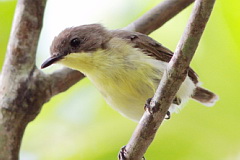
column 78, row 124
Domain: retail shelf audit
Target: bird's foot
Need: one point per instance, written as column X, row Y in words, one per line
column 147, row 107
column 177, row 101
column 168, row 115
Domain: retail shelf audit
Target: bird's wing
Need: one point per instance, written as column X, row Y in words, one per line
column 150, row 47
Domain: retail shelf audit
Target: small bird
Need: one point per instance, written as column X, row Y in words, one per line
column 126, row 67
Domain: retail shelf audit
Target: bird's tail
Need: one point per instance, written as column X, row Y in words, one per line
column 204, row 96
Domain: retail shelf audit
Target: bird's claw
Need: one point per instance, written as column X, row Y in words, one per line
column 168, row 115
column 177, row 101
column 147, row 107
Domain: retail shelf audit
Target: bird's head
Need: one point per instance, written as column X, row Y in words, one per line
column 81, row 39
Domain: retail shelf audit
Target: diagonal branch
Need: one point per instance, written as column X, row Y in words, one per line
column 158, row 16
column 60, row 85
column 170, row 83
column 149, row 22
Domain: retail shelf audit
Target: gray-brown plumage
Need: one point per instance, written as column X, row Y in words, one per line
column 92, row 38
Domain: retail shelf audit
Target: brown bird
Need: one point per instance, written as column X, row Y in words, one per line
column 126, row 67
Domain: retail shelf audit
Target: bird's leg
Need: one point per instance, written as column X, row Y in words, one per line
column 147, row 108
column 176, row 101
column 147, row 105
column 168, row 115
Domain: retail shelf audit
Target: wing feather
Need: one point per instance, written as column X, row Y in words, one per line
column 150, row 47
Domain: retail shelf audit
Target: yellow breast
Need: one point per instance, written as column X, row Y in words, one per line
column 124, row 75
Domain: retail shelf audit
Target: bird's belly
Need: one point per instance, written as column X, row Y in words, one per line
column 126, row 89
column 127, row 97
column 129, row 106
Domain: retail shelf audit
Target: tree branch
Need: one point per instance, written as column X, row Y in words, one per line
column 157, row 16
column 170, row 83
column 60, row 85
column 25, row 32
column 19, row 96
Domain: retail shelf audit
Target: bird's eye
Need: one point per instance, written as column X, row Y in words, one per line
column 75, row 42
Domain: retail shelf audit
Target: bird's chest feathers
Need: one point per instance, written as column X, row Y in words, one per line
column 119, row 71
column 121, row 82
column 125, row 73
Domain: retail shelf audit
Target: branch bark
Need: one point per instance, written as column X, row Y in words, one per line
column 19, row 96
column 158, row 16
column 58, row 84
column 170, row 83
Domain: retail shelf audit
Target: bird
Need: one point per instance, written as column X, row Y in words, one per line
column 125, row 66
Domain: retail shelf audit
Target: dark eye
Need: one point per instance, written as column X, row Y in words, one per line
column 75, row 42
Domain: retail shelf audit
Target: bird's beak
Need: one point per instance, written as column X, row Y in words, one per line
column 51, row 60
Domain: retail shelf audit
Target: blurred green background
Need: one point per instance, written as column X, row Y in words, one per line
column 78, row 124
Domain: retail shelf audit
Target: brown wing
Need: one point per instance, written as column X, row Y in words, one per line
column 150, row 47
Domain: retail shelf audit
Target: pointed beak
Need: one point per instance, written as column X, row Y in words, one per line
column 51, row 60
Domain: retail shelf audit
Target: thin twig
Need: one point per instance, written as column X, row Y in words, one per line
column 158, row 16
column 60, row 85
column 170, row 83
